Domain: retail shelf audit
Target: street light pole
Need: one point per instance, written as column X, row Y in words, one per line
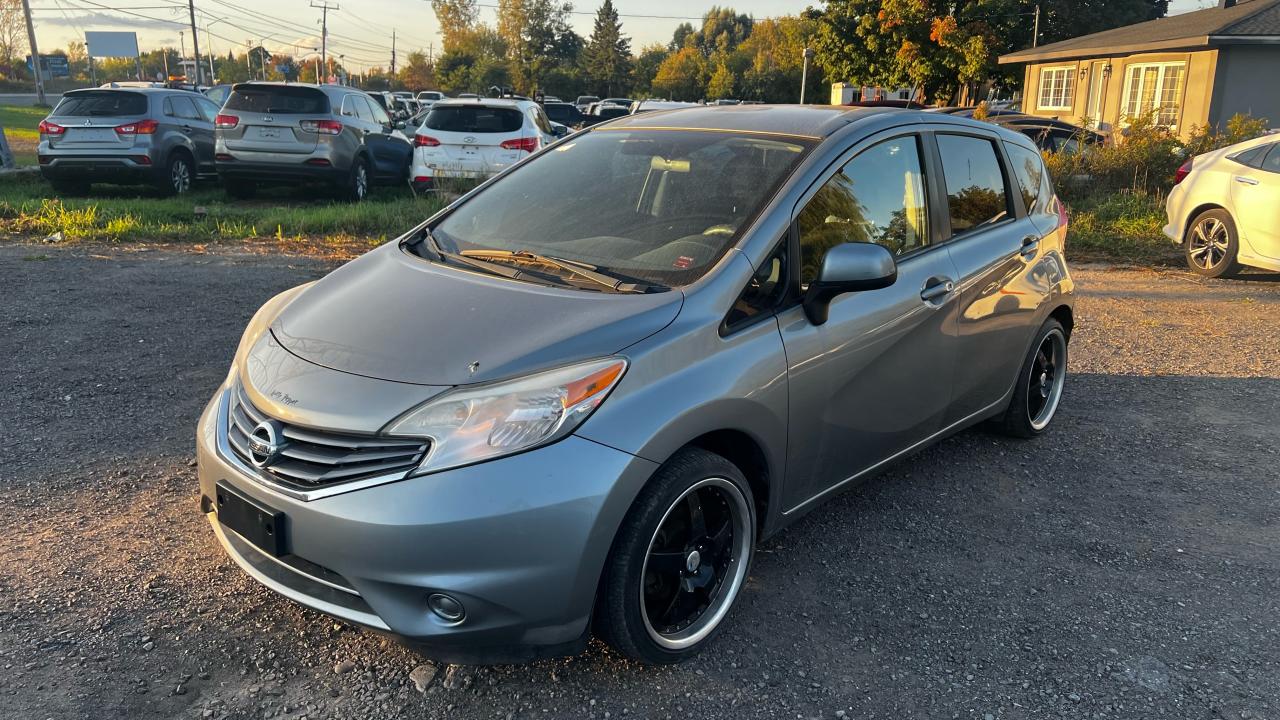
column 804, row 72
column 195, row 41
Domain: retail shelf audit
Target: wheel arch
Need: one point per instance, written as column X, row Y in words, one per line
column 1195, row 213
column 1065, row 315
column 741, row 449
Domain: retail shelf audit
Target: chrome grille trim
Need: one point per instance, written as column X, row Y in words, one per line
column 232, row 449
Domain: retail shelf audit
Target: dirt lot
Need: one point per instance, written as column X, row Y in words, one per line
column 1124, row 566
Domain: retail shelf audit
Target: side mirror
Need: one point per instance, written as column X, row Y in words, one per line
column 851, row 267
column 400, row 125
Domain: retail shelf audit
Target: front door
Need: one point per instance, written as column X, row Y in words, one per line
column 1255, row 195
column 875, row 379
column 1097, row 93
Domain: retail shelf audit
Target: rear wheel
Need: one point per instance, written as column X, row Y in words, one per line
column 240, row 189
column 1212, row 244
column 1040, row 382
column 357, row 187
column 679, row 560
column 178, row 175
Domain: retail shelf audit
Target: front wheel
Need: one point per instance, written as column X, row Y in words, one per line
column 1039, row 386
column 679, row 560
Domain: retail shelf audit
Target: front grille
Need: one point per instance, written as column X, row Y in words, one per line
column 314, row 458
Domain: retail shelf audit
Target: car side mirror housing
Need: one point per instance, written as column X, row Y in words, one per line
column 846, row 268
column 401, row 124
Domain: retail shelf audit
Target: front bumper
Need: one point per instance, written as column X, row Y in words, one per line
column 520, row 541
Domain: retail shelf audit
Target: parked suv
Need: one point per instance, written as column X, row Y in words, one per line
column 578, row 397
column 277, row 133
column 155, row 136
column 477, row 138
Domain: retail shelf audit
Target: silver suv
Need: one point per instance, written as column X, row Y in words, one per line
column 156, row 136
column 287, row 134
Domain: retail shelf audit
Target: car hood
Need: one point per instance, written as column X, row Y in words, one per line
column 393, row 316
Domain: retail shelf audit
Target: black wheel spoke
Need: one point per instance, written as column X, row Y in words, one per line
column 667, row 563
column 697, row 522
column 719, row 540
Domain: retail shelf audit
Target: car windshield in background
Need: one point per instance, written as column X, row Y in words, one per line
column 657, row 206
column 108, row 103
column 280, row 100
column 474, row 119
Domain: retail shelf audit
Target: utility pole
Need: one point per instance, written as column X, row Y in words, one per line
column 324, row 7
column 35, row 54
column 393, row 52
column 195, row 42
column 1035, row 33
column 804, row 71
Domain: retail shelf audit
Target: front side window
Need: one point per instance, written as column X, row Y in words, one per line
column 1057, row 88
column 878, row 197
column 975, row 184
column 1154, row 88
column 658, row 206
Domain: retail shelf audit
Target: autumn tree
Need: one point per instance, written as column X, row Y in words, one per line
column 13, row 36
column 682, row 76
column 417, row 73
column 645, row 66
column 608, row 55
column 457, row 18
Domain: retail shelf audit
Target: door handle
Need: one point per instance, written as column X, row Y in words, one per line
column 1246, row 180
column 1030, row 244
column 936, row 289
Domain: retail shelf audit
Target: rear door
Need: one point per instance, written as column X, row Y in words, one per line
column 1255, row 195
column 182, row 112
column 474, row 138
column 270, row 118
column 90, row 119
column 391, row 151
column 996, row 247
column 208, row 111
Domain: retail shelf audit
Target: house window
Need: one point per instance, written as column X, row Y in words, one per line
column 1154, row 87
column 1057, row 88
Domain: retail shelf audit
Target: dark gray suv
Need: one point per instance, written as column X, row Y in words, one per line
column 287, row 134
column 156, row 136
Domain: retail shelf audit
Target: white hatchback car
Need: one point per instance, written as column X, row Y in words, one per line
column 1224, row 208
column 476, row 138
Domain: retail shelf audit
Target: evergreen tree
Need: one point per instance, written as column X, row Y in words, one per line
column 607, row 58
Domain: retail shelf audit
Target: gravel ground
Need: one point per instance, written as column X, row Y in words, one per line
column 1123, row 566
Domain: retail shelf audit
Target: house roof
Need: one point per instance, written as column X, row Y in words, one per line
column 1248, row 21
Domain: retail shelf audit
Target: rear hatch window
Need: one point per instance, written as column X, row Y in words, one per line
column 278, row 100
column 102, row 103
column 474, row 119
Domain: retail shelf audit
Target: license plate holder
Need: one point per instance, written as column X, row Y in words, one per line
column 255, row 522
column 268, row 133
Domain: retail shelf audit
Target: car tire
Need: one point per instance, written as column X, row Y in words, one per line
column 179, row 174
column 1212, row 244
column 357, row 184
column 70, row 187
column 1041, row 379
column 240, row 189
column 679, row 560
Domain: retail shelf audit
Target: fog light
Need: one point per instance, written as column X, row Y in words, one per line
column 447, row 608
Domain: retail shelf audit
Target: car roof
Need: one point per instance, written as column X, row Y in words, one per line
column 483, row 101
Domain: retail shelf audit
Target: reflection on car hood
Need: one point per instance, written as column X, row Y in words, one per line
column 392, row 316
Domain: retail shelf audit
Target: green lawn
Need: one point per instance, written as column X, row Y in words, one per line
column 1120, row 226
column 30, row 208
column 20, row 125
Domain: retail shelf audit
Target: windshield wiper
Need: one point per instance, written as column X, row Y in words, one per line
column 582, row 270
column 491, row 268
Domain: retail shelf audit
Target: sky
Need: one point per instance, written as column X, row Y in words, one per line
column 359, row 30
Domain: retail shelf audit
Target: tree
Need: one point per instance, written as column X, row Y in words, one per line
column 77, row 59
column 723, row 29
column 456, row 18
column 13, row 37
column 684, row 31
column 644, row 67
column 682, row 76
column 417, row 72
column 607, row 58
column 721, row 83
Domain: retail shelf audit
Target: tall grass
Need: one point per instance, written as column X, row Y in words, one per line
column 29, row 207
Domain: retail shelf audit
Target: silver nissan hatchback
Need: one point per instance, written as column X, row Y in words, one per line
column 577, row 405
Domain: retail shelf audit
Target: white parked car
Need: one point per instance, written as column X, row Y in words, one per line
column 1224, row 208
column 476, row 138
column 427, row 98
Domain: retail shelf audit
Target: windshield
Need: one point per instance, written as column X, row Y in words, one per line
column 473, row 119
column 108, row 103
column 657, row 206
column 278, row 100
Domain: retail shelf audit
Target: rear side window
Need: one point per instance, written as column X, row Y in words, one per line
column 1271, row 163
column 180, row 107
column 278, row 100
column 106, row 103
column 974, row 181
column 1033, row 179
column 1252, row 157
column 474, row 119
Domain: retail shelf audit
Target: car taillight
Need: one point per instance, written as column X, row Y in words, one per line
column 49, row 128
column 1062, row 212
column 142, row 127
column 322, row 127
column 1183, row 171
column 527, row 144
column 425, row 141
column 226, row 122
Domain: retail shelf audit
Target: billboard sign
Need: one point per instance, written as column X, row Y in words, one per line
column 52, row 66
column 111, row 44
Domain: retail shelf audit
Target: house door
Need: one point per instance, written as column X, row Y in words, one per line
column 1097, row 91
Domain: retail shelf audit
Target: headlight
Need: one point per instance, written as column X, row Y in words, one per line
column 472, row 424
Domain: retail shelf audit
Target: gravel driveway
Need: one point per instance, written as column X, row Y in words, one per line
column 1123, row 566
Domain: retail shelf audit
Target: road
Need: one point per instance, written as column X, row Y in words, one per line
column 1122, row 566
